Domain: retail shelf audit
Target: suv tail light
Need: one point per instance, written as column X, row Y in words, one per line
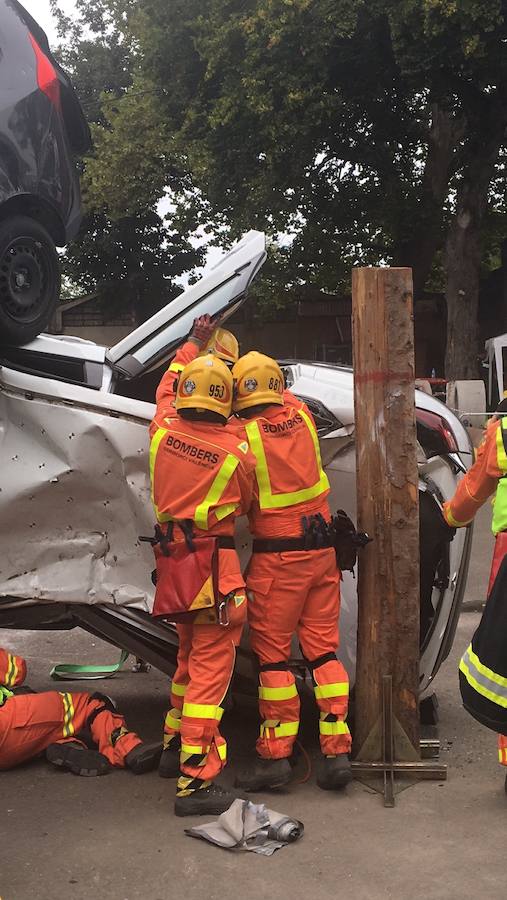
column 47, row 78
column 434, row 434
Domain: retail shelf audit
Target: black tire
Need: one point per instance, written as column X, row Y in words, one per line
column 29, row 279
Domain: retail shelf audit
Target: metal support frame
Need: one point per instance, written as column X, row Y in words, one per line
column 389, row 766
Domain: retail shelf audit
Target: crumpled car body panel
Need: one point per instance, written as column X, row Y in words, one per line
column 75, row 496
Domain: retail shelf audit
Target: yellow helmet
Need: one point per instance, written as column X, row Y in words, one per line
column 223, row 344
column 205, row 383
column 257, row 379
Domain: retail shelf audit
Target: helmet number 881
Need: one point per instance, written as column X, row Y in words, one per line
column 274, row 384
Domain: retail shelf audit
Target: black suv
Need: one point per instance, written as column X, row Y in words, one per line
column 41, row 127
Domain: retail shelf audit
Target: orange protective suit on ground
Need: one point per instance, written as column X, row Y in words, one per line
column 477, row 486
column 294, row 590
column 29, row 723
column 203, row 472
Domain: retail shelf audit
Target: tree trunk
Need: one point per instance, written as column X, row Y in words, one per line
column 418, row 253
column 463, row 250
column 463, row 259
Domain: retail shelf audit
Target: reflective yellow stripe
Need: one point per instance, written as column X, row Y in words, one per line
column 449, row 518
column 176, row 367
column 215, row 492
column 225, row 510
column 481, row 688
column 154, row 447
column 222, row 751
column 268, row 500
column 502, row 756
column 173, row 719
column 278, row 693
column 281, row 730
column 202, row 711
column 12, row 671
column 178, row 689
column 333, row 727
column 499, row 679
column 68, row 709
column 326, row 691
column 501, row 455
column 193, row 749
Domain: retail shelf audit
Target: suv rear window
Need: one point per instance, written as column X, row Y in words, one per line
column 64, row 368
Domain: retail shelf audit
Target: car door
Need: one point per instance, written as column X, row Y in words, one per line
column 220, row 291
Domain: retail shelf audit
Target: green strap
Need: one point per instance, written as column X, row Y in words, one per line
column 5, row 693
column 68, row 672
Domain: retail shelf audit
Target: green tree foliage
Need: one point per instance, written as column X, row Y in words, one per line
column 125, row 250
column 369, row 131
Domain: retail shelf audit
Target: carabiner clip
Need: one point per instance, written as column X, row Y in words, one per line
column 223, row 614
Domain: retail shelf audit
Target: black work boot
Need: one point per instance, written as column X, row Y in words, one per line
column 212, row 800
column 264, row 774
column 169, row 765
column 334, row 772
column 143, row 758
column 78, row 759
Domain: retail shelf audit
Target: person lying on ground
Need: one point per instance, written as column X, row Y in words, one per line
column 81, row 732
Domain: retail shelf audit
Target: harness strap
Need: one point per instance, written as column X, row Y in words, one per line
column 320, row 661
column 281, row 666
column 281, row 545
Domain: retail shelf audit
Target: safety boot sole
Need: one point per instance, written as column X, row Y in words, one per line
column 202, row 803
column 78, row 760
column 143, row 758
column 276, row 774
column 336, row 778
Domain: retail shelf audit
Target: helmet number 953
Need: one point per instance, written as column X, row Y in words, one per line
column 217, row 391
column 274, row 384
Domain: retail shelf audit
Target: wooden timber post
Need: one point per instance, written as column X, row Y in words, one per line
column 387, row 508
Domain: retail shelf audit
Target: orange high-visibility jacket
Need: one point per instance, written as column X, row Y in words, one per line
column 166, row 391
column 12, row 669
column 481, row 481
column 289, row 479
column 203, row 472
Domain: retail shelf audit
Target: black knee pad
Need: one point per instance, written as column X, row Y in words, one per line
column 282, row 666
column 107, row 701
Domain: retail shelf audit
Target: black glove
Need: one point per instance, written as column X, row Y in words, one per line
column 447, row 531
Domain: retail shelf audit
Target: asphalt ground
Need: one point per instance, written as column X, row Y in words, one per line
column 116, row 838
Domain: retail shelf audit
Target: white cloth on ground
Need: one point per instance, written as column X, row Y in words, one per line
column 250, row 826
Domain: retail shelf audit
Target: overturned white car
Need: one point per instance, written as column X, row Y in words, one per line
column 74, row 482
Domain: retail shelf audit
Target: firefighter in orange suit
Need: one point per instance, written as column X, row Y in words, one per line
column 204, row 338
column 483, row 681
column 64, row 725
column 200, row 471
column 293, row 582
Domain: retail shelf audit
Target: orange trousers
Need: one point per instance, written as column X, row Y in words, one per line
column 297, row 591
column 29, row 723
column 206, row 658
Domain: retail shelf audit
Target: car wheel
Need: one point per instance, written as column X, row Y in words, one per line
column 29, row 279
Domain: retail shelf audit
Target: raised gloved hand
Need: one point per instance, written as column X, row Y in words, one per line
column 202, row 329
